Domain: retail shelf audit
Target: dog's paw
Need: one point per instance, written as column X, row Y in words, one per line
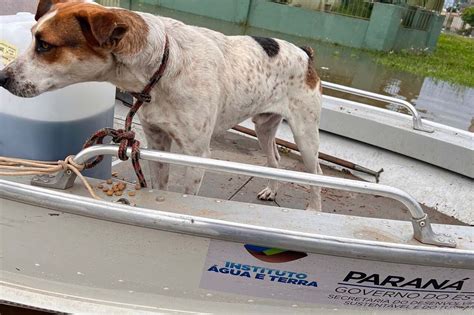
column 267, row 194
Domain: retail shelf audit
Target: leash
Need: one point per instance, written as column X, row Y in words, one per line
column 126, row 137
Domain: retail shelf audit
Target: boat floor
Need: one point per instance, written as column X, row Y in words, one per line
column 238, row 148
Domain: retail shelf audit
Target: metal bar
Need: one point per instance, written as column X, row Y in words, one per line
column 417, row 122
column 264, row 172
column 322, row 156
column 237, row 232
column 421, row 224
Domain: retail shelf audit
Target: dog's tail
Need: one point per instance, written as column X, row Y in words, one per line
column 309, row 51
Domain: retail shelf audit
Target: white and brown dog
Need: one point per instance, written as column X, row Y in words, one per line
column 212, row 82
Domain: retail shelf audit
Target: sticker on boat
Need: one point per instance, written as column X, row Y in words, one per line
column 311, row 278
column 8, row 52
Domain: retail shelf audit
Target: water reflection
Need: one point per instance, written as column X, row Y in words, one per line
column 436, row 100
column 444, row 102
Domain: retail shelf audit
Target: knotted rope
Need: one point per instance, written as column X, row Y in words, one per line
column 22, row 167
column 126, row 137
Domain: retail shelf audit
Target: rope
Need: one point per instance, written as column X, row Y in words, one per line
column 126, row 137
column 21, row 167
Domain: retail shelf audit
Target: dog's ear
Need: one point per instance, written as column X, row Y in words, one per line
column 44, row 6
column 102, row 28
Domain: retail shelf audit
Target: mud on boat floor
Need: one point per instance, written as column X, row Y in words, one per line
column 237, row 148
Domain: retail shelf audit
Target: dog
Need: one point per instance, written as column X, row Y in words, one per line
column 211, row 83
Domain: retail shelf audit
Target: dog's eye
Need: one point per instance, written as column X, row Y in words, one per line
column 42, row 46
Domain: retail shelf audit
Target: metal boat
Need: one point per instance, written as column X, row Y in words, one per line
column 405, row 243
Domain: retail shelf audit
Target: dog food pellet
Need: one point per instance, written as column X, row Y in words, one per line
column 132, row 193
column 105, row 189
column 110, row 193
column 138, row 187
column 100, row 186
column 118, row 193
column 110, row 181
column 121, row 186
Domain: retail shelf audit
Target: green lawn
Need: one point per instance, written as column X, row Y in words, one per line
column 453, row 60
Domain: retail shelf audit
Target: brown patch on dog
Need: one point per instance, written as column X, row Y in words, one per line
column 312, row 78
column 86, row 30
column 309, row 51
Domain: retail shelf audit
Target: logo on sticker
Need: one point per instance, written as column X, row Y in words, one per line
column 8, row 52
column 273, row 255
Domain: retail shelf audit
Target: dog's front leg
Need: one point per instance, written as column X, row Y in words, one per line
column 193, row 176
column 158, row 140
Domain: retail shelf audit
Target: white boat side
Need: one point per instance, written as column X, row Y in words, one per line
column 446, row 147
column 79, row 254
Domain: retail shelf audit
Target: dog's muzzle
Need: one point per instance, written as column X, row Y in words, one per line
column 4, row 78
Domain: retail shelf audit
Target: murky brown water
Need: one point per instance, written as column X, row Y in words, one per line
column 438, row 101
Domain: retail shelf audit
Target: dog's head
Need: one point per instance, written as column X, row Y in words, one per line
column 73, row 41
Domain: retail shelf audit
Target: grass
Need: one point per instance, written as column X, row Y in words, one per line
column 453, row 60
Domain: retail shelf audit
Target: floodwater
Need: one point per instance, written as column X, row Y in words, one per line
column 436, row 100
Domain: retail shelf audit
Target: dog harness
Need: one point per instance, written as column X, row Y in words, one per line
column 126, row 137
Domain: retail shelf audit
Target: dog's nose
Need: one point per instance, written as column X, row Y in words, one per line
column 4, row 77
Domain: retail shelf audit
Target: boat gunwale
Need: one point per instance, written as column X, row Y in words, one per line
column 237, row 232
column 464, row 135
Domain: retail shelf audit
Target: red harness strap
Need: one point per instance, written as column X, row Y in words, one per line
column 126, row 137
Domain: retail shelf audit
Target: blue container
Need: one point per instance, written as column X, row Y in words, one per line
column 52, row 141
